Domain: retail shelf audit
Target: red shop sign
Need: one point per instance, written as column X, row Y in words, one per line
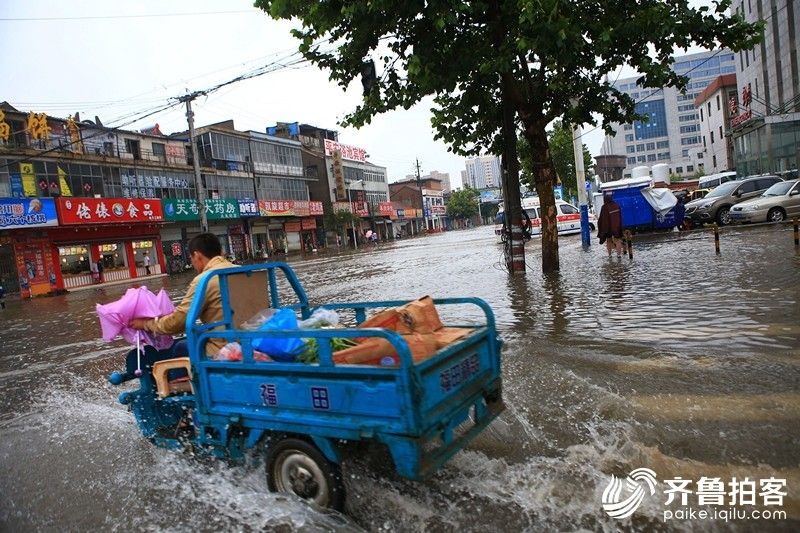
column 108, row 210
column 315, row 208
column 292, row 227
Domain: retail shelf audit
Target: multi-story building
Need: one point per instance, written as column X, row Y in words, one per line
column 714, row 105
column 428, row 192
column 253, row 167
column 483, row 172
column 443, row 177
column 672, row 133
column 363, row 188
column 766, row 123
column 76, row 196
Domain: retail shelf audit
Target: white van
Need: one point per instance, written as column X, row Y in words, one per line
column 712, row 180
column 568, row 218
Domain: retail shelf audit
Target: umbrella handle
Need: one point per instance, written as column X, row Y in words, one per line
column 138, row 372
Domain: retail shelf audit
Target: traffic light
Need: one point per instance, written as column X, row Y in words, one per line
column 368, row 77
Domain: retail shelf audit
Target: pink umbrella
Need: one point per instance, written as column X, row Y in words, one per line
column 137, row 302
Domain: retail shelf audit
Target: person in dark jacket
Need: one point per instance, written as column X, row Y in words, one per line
column 609, row 226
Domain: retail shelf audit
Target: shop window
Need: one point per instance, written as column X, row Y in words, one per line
column 75, row 260
column 140, row 248
column 113, row 256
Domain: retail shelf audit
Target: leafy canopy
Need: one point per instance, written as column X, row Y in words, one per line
column 463, row 203
column 554, row 55
column 562, row 152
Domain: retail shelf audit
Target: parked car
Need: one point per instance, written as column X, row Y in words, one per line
column 779, row 202
column 716, row 205
column 714, row 180
column 698, row 194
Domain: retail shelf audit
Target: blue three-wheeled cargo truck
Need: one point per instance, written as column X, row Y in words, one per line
column 305, row 414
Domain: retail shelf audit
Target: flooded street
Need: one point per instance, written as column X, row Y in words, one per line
column 680, row 361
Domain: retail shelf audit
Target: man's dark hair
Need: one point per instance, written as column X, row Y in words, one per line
column 207, row 244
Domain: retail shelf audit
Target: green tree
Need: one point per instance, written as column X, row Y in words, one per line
column 547, row 59
column 463, row 204
column 340, row 220
column 560, row 140
column 489, row 210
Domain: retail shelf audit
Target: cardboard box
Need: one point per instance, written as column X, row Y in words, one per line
column 373, row 349
column 446, row 336
column 420, row 316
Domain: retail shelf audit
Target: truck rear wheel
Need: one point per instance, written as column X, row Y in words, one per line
column 298, row 467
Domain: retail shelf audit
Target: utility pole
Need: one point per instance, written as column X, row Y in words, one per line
column 580, row 176
column 201, row 189
column 421, row 198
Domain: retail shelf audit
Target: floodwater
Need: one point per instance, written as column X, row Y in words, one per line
column 680, row 360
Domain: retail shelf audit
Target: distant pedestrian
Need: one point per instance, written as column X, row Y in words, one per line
column 609, row 225
column 147, row 262
column 100, row 271
column 2, row 295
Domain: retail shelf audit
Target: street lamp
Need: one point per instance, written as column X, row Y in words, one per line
column 350, row 197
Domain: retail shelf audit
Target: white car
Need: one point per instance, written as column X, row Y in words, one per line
column 567, row 215
column 779, row 202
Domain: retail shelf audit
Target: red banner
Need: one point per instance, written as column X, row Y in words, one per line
column 108, row 210
column 315, row 209
column 361, row 209
column 292, row 227
column 386, row 209
column 309, row 223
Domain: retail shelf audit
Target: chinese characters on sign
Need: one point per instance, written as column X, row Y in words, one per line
column 5, row 129
column 713, row 491
column 338, row 176
column 284, row 208
column 37, row 126
column 315, row 209
column 347, row 152
column 386, row 209
column 74, row 136
column 733, row 107
column 139, row 186
column 747, row 96
column 108, row 210
column 248, row 208
column 187, row 209
column 34, row 212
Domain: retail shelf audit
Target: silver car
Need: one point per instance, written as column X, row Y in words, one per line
column 716, row 205
column 779, row 202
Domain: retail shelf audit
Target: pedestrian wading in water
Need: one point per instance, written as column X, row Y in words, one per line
column 609, row 226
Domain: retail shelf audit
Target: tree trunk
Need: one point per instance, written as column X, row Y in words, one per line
column 515, row 251
column 545, row 180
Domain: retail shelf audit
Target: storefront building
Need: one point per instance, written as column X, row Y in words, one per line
column 65, row 243
column 290, row 226
column 107, row 239
column 224, row 220
column 27, row 258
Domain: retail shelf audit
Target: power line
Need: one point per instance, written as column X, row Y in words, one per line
column 109, row 17
column 174, row 101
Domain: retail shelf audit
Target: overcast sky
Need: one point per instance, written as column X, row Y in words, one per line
column 121, row 66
